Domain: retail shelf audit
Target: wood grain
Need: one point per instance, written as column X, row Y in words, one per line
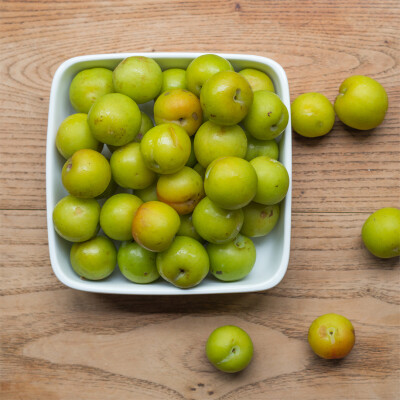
column 57, row 343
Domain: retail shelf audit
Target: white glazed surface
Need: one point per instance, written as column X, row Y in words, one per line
column 272, row 250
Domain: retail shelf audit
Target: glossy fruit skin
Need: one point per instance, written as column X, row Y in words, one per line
column 88, row 86
column 74, row 134
column 165, row 148
column 114, row 119
column 258, row 80
column 213, row 141
column 116, row 215
column 215, row 224
column 148, row 194
column 186, row 228
column 184, row 264
column 233, row 260
column 86, row 174
column 267, row 117
column 312, row 115
column 226, row 98
column 129, row 169
column 138, row 77
column 173, row 78
column 272, row 182
column 229, row 348
column 76, row 220
column 202, row 68
column 230, row 182
column 381, row 233
column 136, row 263
column 181, row 107
column 331, row 336
column 155, row 225
column 94, row 259
column 362, row 102
column 182, row 190
column 256, row 148
column 259, row 219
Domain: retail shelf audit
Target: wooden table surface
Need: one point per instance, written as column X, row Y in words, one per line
column 57, row 343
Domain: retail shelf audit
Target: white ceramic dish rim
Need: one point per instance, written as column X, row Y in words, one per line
column 89, row 286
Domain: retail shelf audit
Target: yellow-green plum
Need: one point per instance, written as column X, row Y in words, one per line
column 129, row 169
column 233, row 260
column 166, row 148
column 272, row 182
column 76, row 220
column 200, row 170
column 186, row 228
column 86, row 174
column 258, row 80
column 181, row 107
column 155, row 225
column 138, row 77
column 110, row 190
column 115, row 119
column 94, row 259
column 230, row 182
column 226, row 98
column 184, row 264
column 116, row 215
column 259, row 219
column 136, row 263
column 182, row 190
column 173, row 78
column 202, row 68
column 148, row 194
column 312, row 115
column 229, row 348
column 256, row 148
column 88, row 86
column 213, row 141
column 267, row 117
column 192, row 161
column 216, row 224
column 381, row 233
column 331, row 336
column 74, row 134
column 362, row 102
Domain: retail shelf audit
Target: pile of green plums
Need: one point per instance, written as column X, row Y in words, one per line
column 181, row 192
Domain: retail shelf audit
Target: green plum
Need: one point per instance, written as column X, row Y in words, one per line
column 129, row 169
column 200, row 170
column 76, row 220
column 186, row 228
column 148, row 194
column 174, row 78
column 256, row 148
column 258, row 80
column 94, row 259
column 136, row 263
column 226, row 98
column 191, row 162
column 312, row 115
column 268, row 116
column 213, row 141
column 273, row 180
column 88, row 86
column 165, row 148
column 233, row 260
column 181, row 107
column 74, row 134
column 230, row 182
column 362, row 102
column 116, row 215
column 259, row 219
column 86, row 174
column 381, row 232
column 184, row 264
column 182, row 190
column 115, row 119
column 229, row 348
column 155, row 225
column 215, row 224
column 202, row 68
column 110, row 190
column 138, row 77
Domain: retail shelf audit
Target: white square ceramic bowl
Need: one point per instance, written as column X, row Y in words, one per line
column 272, row 250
